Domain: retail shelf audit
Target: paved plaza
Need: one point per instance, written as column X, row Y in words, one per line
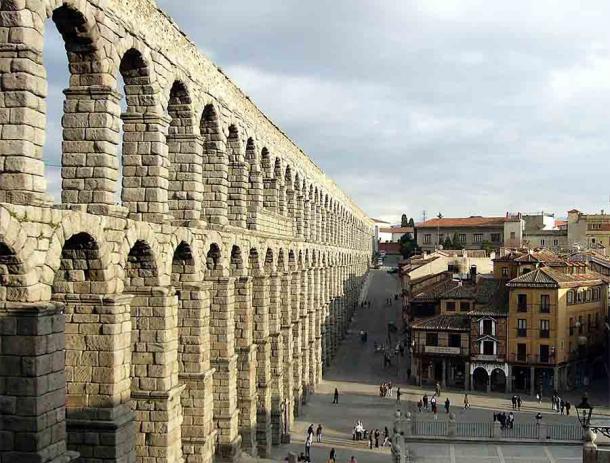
column 357, row 371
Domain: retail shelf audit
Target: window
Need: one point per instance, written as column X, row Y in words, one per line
column 541, row 242
column 488, row 326
column 521, row 302
column 450, row 306
column 571, row 326
column 427, row 238
column 462, row 238
column 588, row 295
column 512, row 235
column 504, row 271
column 455, row 340
column 555, row 242
column 489, row 348
column 544, row 353
column 545, row 328
column 495, row 237
column 570, row 297
column 464, row 306
column 478, row 237
column 545, row 303
column 522, row 328
column 431, row 339
column 521, row 352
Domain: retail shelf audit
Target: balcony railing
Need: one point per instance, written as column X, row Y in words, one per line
column 533, row 359
column 541, row 308
column 545, row 333
column 521, row 332
column 441, row 350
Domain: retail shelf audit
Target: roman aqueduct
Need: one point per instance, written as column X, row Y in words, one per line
column 189, row 321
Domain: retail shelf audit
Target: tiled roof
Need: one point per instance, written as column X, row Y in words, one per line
column 474, row 221
column 396, row 230
column 548, row 278
column 435, row 291
column 546, row 257
column 443, row 322
column 509, row 257
column 463, row 291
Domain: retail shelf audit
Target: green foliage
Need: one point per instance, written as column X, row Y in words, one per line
column 408, row 245
column 489, row 247
column 404, row 221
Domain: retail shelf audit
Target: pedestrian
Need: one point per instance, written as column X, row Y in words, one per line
column 398, row 394
column 562, row 405
column 514, row 401
column 336, row 397
column 331, row 457
column 319, row 433
column 425, row 400
column 308, row 443
column 438, row 389
column 433, row 402
column 419, row 405
column 568, row 406
column 310, row 430
column 447, row 405
column 353, row 459
column 435, row 411
column 538, row 397
column 386, row 436
column 377, row 438
column 370, row 440
column 538, row 417
column 519, row 402
column 466, row 402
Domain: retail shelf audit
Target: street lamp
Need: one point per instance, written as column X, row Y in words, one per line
column 584, row 410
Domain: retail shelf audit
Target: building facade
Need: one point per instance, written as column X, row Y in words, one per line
column 190, row 321
column 471, row 232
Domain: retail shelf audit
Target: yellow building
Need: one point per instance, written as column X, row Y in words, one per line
column 556, row 327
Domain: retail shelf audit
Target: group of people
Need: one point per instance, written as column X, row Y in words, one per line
column 332, row 458
column 386, row 389
column 506, row 421
column 366, row 304
column 309, row 440
column 516, row 401
column 425, row 404
column 559, row 405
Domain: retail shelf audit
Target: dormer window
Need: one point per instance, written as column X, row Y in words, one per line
column 487, row 326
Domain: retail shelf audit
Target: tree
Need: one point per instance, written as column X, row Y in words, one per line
column 456, row 243
column 404, row 221
column 488, row 247
column 408, row 245
column 447, row 244
column 411, row 223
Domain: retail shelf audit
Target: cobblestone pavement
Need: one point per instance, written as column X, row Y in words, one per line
column 357, row 371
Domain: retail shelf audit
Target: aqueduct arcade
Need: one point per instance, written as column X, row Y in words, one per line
column 186, row 294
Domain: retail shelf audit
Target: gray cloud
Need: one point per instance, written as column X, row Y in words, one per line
column 467, row 107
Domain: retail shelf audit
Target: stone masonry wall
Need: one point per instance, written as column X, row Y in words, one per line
column 190, row 320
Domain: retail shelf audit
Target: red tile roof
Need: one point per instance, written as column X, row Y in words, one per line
column 474, row 221
column 396, row 230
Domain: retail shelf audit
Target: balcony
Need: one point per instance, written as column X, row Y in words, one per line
column 521, row 332
column 441, row 350
column 536, row 308
column 533, row 359
column 545, row 334
column 488, row 358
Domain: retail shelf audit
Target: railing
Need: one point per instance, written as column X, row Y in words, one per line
column 431, row 428
column 545, row 333
column 541, row 308
column 441, row 350
column 521, row 332
column 492, row 430
column 528, row 358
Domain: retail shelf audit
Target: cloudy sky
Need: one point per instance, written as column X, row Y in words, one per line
column 459, row 106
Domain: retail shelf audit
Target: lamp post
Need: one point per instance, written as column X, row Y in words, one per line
column 584, row 410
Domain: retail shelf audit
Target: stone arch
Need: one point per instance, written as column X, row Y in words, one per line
column 238, row 179
column 214, row 260
column 237, row 262
column 13, row 284
column 215, row 176
column 269, row 264
column 144, row 158
column 255, row 183
column 269, row 188
column 497, row 380
column 280, row 186
column 480, row 379
column 184, row 151
column 290, row 208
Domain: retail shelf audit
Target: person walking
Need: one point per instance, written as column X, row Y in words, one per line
column 336, row 397
column 376, row 438
column 519, row 402
column 568, row 406
column 466, row 402
column 438, row 389
column 447, row 405
column 398, row 395
column 425, row 400
column 319, row 433
column 353, row 459
column 514, row 401
column 308, row 443
column 562, row 405
column 386, row 436
column 370, row 440
column 435, row 411
column 419, row 405
column 331, row 458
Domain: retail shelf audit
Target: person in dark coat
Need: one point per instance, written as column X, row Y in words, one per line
column 336, row 397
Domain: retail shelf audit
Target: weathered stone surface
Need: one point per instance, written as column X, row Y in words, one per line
column 190, row 320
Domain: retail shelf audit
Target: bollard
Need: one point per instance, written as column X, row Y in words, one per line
column 452, row 427
column 589, row 448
